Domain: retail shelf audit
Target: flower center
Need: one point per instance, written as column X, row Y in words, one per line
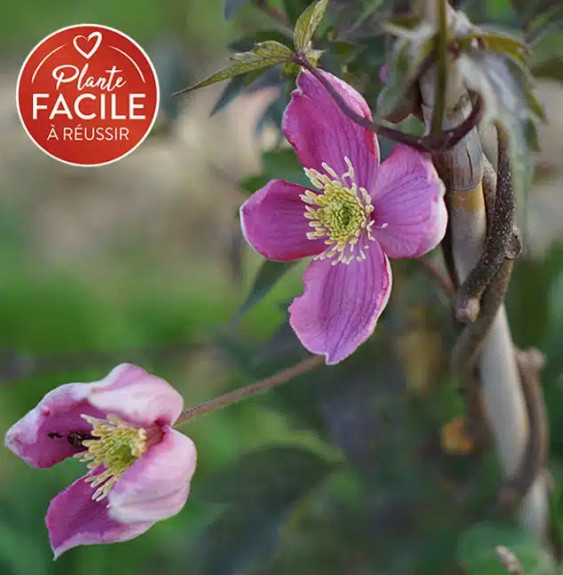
column 115, row 445
column 340, row 214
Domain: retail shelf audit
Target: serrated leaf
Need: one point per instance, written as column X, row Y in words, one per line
column 264, row 55
column 307, row 23
column 247, row 43
column 236, row 69
column 231, row 7
column 273, row 50
column 476, row 550
column 268, row 275
column 280, row 473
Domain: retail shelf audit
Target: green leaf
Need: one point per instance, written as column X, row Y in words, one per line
column 235, row 86
column 283, row 163
column 268, row 275
column 252, row 183
column 476, row 550
column 271, row 49
column 496, row 42
column 231, row 91
column 403, row 25
column 241, row 66
column 263, row 55
column 246, row 43
column 307, row 23
column 272, row 114
column 294, row 8
column 547, row 56
column 281, row 472
column 550, row 18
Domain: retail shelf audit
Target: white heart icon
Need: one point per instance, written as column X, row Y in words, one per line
column 86, row 41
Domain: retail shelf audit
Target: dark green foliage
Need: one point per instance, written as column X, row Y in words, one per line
column 268, row 275
column 476, row 550
column 261, row 490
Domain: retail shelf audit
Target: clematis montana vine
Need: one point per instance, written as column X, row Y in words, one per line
column 356, row 214
column 139, row 467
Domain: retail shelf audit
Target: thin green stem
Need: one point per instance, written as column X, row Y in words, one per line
column 442, row 68
column 253, row 389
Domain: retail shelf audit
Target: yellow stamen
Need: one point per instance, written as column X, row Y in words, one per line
column 116, row 445
column 340, row 214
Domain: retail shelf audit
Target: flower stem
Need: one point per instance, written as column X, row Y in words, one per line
column 253, row 389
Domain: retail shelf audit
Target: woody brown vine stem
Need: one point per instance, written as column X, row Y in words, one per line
column 486, row 270
column 511, row 400
column 498, row 243
column 514, row 489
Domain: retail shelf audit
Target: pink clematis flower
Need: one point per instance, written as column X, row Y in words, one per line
column 356, row 214
column 139, row 467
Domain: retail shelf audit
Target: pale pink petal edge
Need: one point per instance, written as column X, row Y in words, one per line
column 157, row 485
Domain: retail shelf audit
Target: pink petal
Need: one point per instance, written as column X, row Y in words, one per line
column 408, row 196
column 59, row 412
column 74, row 519
column 341, row 304
column 274, row 224
column 137, row 396
column 320, row 132
column 40, row 437
column 156, row 486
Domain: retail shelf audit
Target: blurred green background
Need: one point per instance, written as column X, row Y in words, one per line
column 142, row 261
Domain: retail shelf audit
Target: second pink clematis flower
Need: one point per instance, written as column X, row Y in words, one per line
column 139, row 467
column 356, row 214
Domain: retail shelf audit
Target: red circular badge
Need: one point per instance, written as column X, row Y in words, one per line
column 87, row 95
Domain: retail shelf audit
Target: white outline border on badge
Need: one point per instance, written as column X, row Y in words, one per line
column 155, row 115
